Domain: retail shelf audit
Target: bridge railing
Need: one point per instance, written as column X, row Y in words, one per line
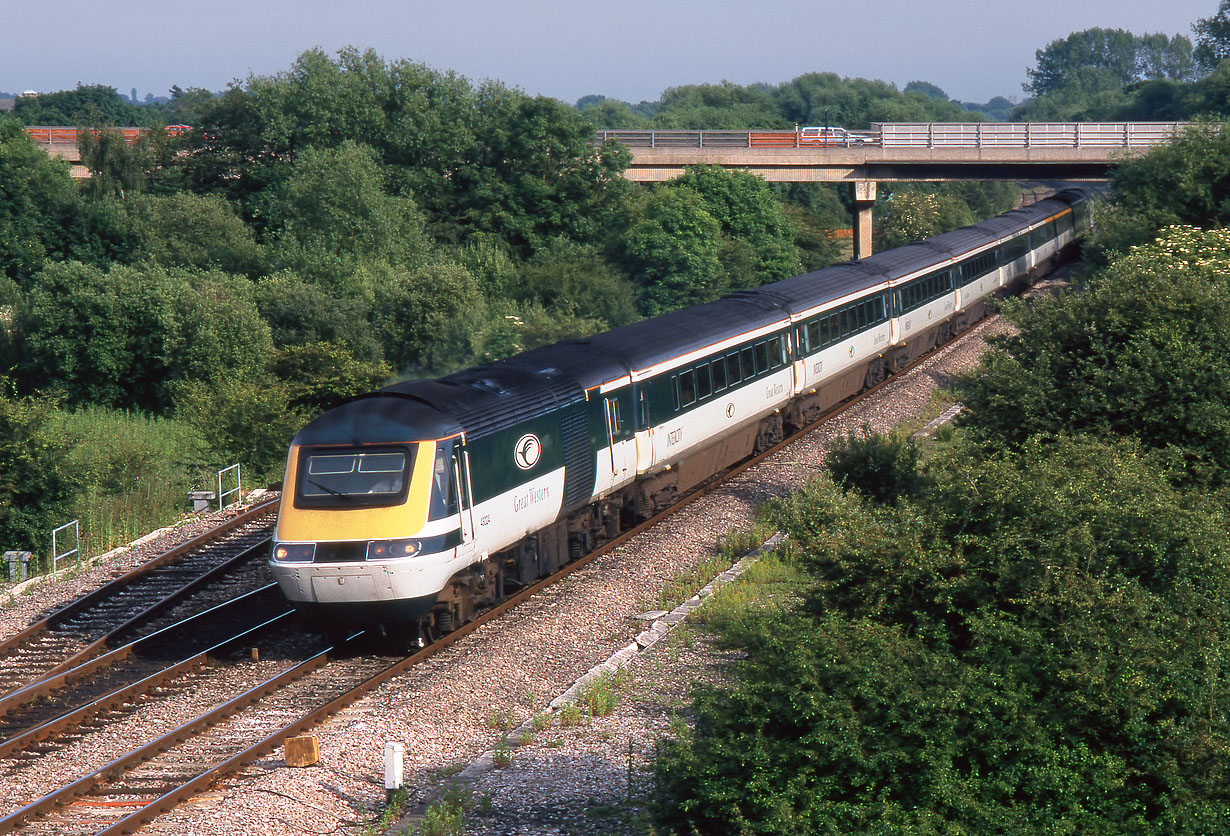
column 920, row 135
column 1023, row 134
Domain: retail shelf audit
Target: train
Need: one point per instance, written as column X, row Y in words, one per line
column 407, row 509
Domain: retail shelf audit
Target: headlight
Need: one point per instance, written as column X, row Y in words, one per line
column 294, row 552
column 384, row 549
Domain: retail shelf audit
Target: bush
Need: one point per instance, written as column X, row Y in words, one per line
column 882, row 468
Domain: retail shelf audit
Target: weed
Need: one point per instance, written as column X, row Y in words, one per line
column 570, row 715
column 443, row 818
column 541, row 720
column 600, row 695
column 502, row 720
column 503, row 755
column 525, row 738
column 391, row 813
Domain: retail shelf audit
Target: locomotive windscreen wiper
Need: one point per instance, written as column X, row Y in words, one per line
column 328, row 489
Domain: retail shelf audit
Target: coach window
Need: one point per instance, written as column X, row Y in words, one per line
column 777, row 352
column 719, row 375
column 687, row 388
column 762, row 357
column 704, row 386
column 732, row 368
column 749, row 363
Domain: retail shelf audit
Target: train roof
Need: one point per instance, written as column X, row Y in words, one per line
column 487, row 398
column 381, row 417
column 650, row 342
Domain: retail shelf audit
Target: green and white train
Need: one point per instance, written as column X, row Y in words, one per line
column 411, row 506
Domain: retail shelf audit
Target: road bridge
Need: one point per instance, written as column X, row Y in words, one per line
column 889, row 152
column 897, row 152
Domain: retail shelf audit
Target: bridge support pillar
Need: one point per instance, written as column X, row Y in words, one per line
column 864, row 200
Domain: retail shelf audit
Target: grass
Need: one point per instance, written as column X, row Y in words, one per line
column 600, row 695
column 502, row 719
column 731, row 546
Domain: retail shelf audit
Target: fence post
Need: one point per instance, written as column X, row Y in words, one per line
column 238, row 489
column 55, row 547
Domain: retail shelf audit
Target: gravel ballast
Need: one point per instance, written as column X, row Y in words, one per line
column 454, row 708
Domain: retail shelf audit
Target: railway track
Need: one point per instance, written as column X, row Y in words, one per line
column 141, row 784
column 210, row 568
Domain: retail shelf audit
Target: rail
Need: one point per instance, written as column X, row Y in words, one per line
column 920, row 135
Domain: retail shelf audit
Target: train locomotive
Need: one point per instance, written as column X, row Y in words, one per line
column 409, row 507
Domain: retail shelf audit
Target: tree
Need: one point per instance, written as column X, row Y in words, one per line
column 121, row 337
column 912, row 214
column 427, row 316
column 926, row 88
column 1213, row 37
column 1031, row 645
column 91, row 104
column 1185, row 181
column 533, row 176
column 748, row 212
column 672, row 249
column 37, row 485
column 332, row 212
column 567, row 279
column 1124, row 57
column 38, row 202
column 187, row 230
column 1139, row 353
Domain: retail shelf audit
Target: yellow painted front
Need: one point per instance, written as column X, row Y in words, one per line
column 316, row 524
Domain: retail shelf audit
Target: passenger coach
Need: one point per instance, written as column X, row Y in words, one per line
column 411, row 506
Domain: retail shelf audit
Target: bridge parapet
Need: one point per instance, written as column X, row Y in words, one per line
column 920, row 135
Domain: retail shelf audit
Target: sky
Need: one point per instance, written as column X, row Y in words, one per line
column 630, row 49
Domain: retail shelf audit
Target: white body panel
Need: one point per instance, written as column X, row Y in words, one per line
column 925, row 316
column 821, row 365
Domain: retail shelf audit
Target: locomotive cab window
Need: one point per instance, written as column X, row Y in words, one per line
column 353, row 478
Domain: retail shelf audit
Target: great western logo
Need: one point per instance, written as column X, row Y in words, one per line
column 527, row 451
column 531, row 496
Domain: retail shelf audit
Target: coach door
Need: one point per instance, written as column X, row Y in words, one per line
column 617, row 439
column 465, row 495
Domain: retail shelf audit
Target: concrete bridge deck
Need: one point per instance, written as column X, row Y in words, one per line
column 903, row 151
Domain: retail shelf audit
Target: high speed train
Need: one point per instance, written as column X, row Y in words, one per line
column 409, row 507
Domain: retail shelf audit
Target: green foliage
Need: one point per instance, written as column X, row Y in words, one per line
column 882, row 468
column 37, row 200
column 672, row 251
column 1213, row 37
column 1141, row 353
column 300, row 312
column 911, row 214
column 425, row 317
column 1122, row 56
column 1027, row 648
column 245, row 421
column 116, row 165
column 534, row 176
column 567, row 278
column 95, row 104
column 38, row 485
column 1182, row 182
column 600, row 695
column 187, row 230
column 121, row 337
column 321, row 375
column 332, row 212
column 747, row 211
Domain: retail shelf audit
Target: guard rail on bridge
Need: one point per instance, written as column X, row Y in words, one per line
column 920, row 135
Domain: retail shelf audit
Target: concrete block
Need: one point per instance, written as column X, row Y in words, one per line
column 302, row 751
